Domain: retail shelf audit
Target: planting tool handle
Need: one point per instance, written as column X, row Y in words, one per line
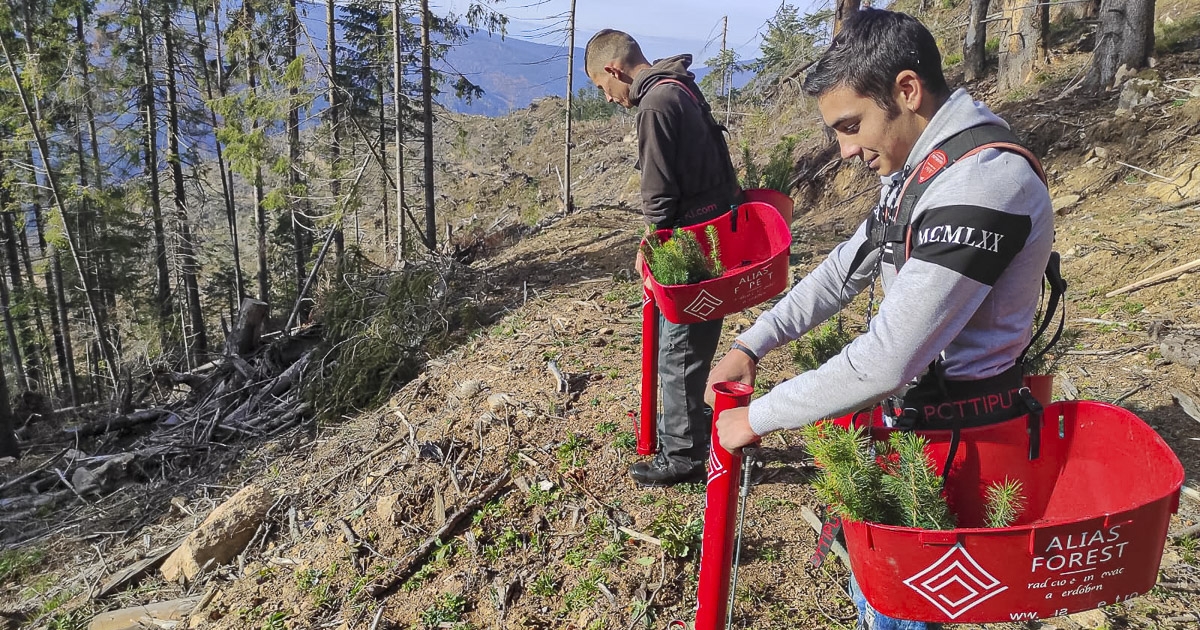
column 646, row 427
column 720, row 515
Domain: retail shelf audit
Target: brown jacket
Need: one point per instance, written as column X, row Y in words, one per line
column 687, row 175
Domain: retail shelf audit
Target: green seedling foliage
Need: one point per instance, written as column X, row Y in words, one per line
column 448, row 608
column 892, row 483
column 679, row 259
column 1005, row 500
column 914, row 484
column 850, row 481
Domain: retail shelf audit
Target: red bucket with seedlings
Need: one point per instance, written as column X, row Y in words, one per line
column 1098, row 500
column 754, row 241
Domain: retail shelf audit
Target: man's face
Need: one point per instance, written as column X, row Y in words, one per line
column 866, row 130
column 615, row 90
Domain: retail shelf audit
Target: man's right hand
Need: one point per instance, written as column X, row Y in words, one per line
column 736, row 366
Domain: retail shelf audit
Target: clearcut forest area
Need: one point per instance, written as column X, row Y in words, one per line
column 423, row 419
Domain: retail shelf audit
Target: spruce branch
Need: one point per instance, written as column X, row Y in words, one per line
column 1005, row 502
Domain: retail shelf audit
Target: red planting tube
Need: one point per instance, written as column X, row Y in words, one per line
column 720, row 515
column 646, row 426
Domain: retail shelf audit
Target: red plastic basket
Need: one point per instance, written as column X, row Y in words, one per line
column 754, row 243
column 782, row 202
column 1099, row 500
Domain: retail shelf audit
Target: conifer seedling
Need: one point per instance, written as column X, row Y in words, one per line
column 681, row 260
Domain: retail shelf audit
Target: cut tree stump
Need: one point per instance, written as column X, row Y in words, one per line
column 244, row 338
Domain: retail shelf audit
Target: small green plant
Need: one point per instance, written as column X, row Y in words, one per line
column 537, row 496
column 679, row 538
column 1005, row 500
column 820, row 345
column 16, row 564
column 571, row 453
column 575, row 558
column 680, row 259
column 1188, row 546
column 992, row 46
column 275, row 621
column 913, row 481
column 317, row 584
column 544, row 585
column 952, row 59
column 1042, row 360
column 448, row 608
column 509, row 540
column 606, row 428
column 611, row 555
column 584, row 593
column 625, row 441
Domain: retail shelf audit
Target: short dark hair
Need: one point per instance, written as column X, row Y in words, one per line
column 871, row 49
column 610, row 45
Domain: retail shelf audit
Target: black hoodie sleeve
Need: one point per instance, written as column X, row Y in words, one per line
column 657, row 145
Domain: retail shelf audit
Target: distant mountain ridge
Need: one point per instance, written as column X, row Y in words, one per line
column 515, row 72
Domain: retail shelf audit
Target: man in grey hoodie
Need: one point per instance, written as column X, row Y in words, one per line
column 686, row 178
column 961, row 286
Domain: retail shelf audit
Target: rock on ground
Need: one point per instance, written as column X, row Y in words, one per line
column 221, row 536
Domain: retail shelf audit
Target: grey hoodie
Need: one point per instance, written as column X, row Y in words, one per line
column 972, row 303
column 687, row 177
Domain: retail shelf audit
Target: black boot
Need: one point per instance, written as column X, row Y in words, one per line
column 664, row 471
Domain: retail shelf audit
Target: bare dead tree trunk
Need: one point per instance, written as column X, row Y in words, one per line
column 12, row 250
column 198, row 342
column 10, row 329
column 335, row 114
column 8, row 439
column 1125, row 38
column 302, row 229
column 239, row 282
column 149, row 114
column 1023, row 41
column 427, row 107
column 398, row 106
column 260, row 210
column 107, row 300
column 975, row 42
column 843, row 10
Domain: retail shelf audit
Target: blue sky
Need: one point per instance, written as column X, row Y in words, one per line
column 662, row 27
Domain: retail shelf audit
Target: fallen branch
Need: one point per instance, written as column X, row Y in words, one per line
column 33, row 473
column 1169, row 274
column 416, row 557
column 1187, row 532
column 134, row 572
column 119, row 423
column 632, row 533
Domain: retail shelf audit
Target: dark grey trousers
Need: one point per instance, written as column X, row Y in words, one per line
column 685, row 354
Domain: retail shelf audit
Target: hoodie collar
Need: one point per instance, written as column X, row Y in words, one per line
column 959, row 112
column 670, row 68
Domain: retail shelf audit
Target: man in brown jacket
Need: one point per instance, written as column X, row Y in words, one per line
column 686, row 178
